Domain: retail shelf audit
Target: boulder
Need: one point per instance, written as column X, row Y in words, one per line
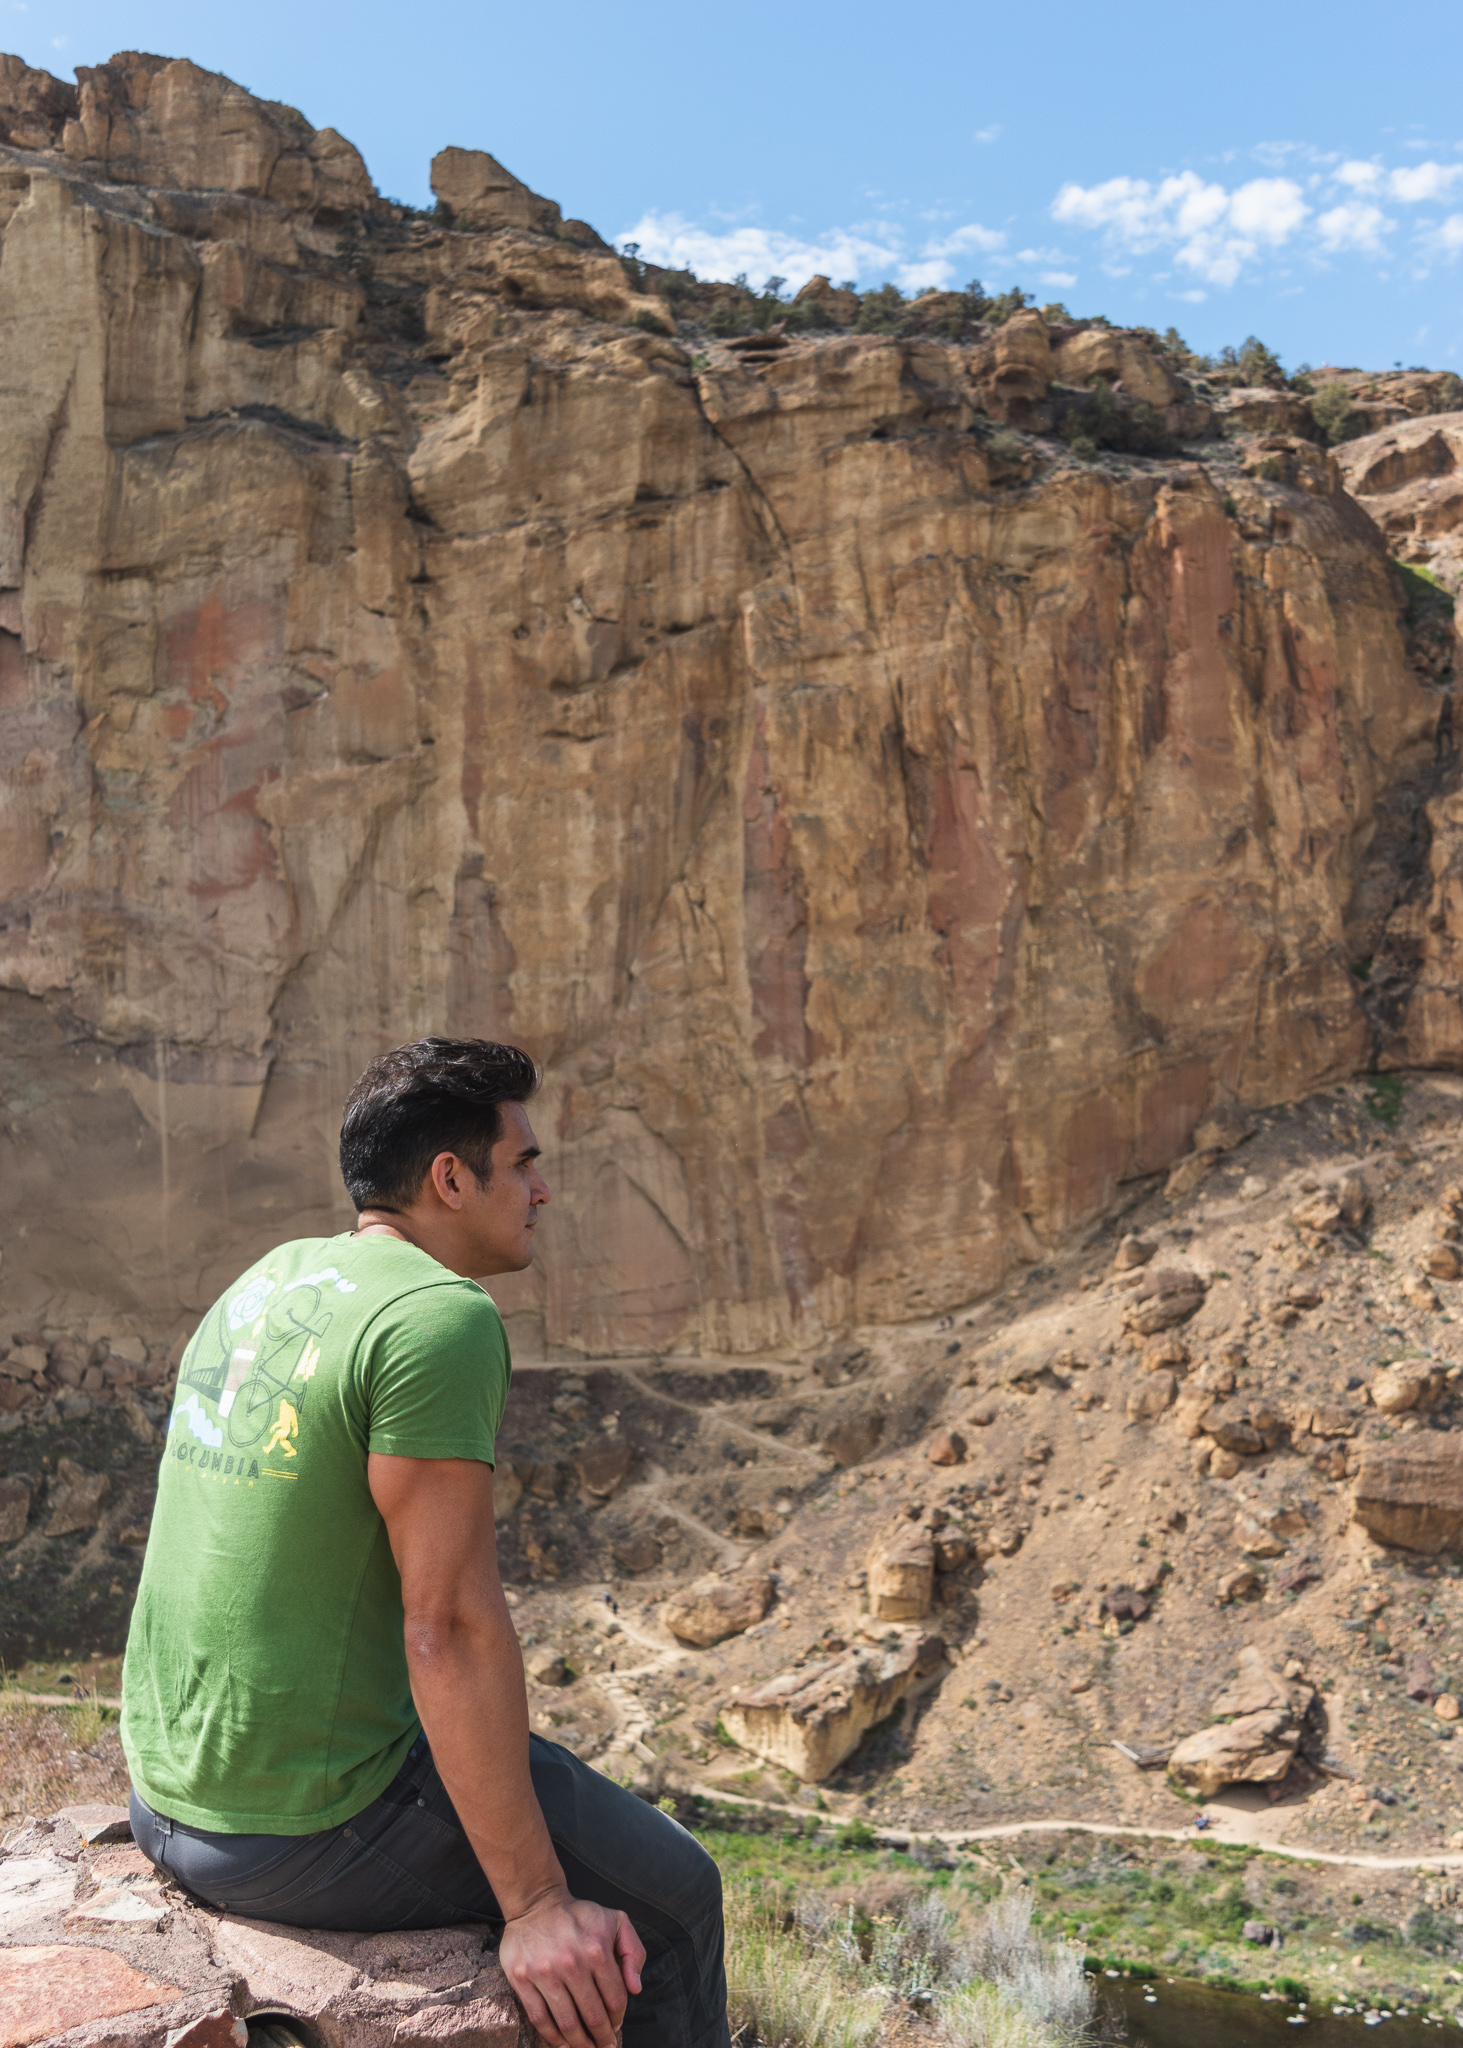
column 714, row 1609
column 1244, row 1583
column 808, row 1720
column 1166, row 1351
column 855, row 1438
column 1013, row 371
column 638, row 1551
column 1255, row 1749
column 1417, row 1291
column 1163, row 1297
column 1422, row 1679
column 1443, row 1262
column 1340, row 1205
column 1192, row 1409
column 842, row 307
column 842, row 1362
column 16, row 1494
column 901, row 1571
column 1149, row 1398
column 1257, row 1745
column 1297, row 1574
column 1410, row 1493
column 546, row 1666
column 1132, row 1252
column 1255, row 1539
column 946, row 1447
column 1413, row 1384
column 602, row 1470
column 480, row 193
column 77, row 1497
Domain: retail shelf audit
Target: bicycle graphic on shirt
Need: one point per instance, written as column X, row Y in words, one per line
column 260, row 1377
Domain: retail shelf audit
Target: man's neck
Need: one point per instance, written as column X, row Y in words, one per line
column 383, row 1223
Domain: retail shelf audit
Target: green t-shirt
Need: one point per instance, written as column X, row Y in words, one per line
column 265, row 1689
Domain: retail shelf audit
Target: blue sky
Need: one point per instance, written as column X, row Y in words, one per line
column 1297, row 174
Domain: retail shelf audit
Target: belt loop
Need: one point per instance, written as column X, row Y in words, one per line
column 162, row 1823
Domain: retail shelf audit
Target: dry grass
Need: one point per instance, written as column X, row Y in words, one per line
column 58, row 1756
column 816, row 1977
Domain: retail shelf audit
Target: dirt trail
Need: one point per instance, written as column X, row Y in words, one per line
column 1223, row 1831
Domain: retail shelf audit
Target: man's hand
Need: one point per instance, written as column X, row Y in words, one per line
column 573, row 1965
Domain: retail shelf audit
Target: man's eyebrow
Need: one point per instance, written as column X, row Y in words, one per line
column 531, row 1152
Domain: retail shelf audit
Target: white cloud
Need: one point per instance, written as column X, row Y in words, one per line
column 1450, row 234
column 1059, row 277
column 866, row 253
column 1360, row 177
column 1354, row 224
column 1424, row 181
column 1212, row 232
column 988, row 134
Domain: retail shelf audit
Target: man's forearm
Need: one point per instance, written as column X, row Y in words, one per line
column 467, row 1679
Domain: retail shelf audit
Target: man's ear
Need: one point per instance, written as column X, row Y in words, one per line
column 447, row 1176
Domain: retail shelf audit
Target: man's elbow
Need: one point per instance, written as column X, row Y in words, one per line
column 439, row 1632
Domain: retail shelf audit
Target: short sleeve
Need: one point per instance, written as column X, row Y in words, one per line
column 435, row 1372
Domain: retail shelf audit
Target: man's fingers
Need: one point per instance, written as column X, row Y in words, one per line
column 566, row 2017
column 539, row 2017
column 585, row 1989
column 609, row 1986
column 629, row 1951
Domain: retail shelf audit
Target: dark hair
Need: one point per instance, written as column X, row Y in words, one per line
column 434, row 1095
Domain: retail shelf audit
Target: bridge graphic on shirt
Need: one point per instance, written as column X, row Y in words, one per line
column 258, row 1379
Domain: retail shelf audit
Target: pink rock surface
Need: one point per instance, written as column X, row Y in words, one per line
column 223, row 2029
column 482, row 2023
column 99, row 1823
column 46, row 1990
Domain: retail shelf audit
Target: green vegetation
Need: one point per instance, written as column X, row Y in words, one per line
column 1334, row 414
column 1428, row 602
column 1384, row 1097
column 804, row 1969
column 1089, row 420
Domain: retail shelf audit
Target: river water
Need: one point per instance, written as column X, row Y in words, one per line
column 1182, row 2014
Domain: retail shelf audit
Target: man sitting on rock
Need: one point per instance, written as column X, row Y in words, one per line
column 324, row 1707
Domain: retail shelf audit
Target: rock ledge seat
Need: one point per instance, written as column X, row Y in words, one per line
column 97, row 1952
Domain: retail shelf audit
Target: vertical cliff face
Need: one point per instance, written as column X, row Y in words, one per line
column 890, row 833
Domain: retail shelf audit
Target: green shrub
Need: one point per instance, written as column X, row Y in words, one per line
column 1256, row 363
column 1384, row 1097
column 881, row 311
column 729, row 315
column 1332, row 411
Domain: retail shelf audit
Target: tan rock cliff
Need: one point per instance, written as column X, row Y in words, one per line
column 890, row 833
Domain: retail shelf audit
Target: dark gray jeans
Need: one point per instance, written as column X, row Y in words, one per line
column 405, row 1862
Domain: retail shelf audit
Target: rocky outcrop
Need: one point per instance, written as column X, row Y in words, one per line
column 1257, row 1728
column 890, row 833
column 714, row 1609
column 901, row 1569
column 1410, row 1493
column 1410, row 478
column 808, row 1720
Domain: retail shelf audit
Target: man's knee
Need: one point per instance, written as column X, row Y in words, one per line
column 697, row 1880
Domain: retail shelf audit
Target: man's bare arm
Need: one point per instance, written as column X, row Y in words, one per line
column 571, row 1962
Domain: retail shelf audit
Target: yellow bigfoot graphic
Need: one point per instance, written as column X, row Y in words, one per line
column 287, row 1424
